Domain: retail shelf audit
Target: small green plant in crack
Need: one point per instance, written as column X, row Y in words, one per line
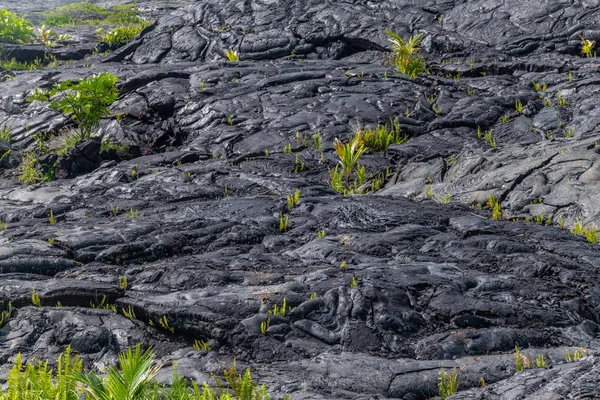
column 128, row 312
column 407, row 60
column 321, row 234
column 489, row 138
column 353, row 282
column 293, row 199
column 539, row 87
column 436, row 108
column 201, row 345
column 114, row 211
column 519, row 364
column 51, row 241
column 578, row 354
column 494, row 206
column 343, row 265
column 3, row 226
column 123, row 282
column 287, row 149
column 318, row 144
column 232, row 55
column 590, row 233
column 444, row 200
column 265, row 325
column 165, row 324
column 587, row 46
column 568, row 356
column 6, row 314
column 540, row 362
column 104, row 305
column 569, row 132
column 378, row 182
column 519, row 106
column 133, row 214
column 280, row 310
column 35, row 298
column 5, row 134
column 283, row 222
column 562, row 102
column 107, row 145
column 349, row 154
column 447, row 384
column 311, row 297
column 51, row 218
column 504, row 119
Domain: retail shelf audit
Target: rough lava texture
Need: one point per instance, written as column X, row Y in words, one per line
column 190, row 213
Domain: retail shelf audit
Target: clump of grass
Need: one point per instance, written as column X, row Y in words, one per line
column 407, row 59
column 590, row 232
column 29, row 170
column 383, row 135
column 107, row 145
column 104, row 305
column 489, row 138
column 447, row 383
column 280, row 310
column 121, row 34
column 86, row 13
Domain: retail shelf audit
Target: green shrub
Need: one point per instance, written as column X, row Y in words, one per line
column 407, row 60
column 14, row 29
column 85, row 102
